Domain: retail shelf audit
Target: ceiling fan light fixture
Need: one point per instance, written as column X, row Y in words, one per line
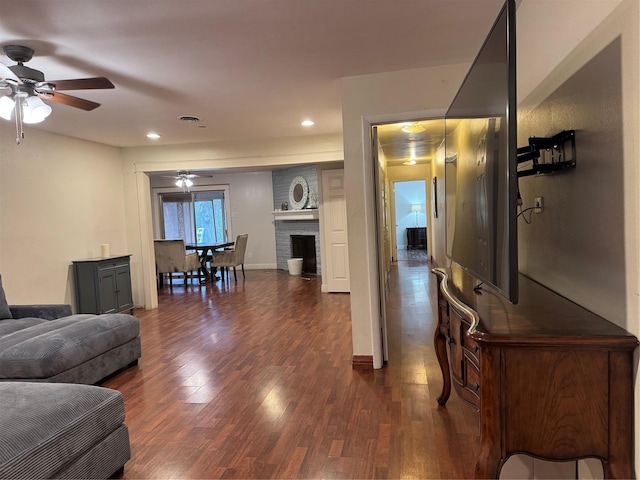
column 35, row 110
column 414, row 127
column 6, row 107
column 184, row 182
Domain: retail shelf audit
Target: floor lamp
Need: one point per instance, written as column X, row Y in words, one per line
column 416, row 208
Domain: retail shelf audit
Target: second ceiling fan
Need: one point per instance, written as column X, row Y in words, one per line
column 183, row 179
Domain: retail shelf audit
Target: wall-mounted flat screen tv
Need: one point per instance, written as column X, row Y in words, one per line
column 481, row 163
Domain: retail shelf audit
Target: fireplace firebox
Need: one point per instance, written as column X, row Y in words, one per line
column 304, row 246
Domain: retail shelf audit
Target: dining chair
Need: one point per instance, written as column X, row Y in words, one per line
column 172, row 257
column 232, row 257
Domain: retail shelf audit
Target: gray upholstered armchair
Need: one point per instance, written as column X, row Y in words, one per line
column 231, row 258
column 171, row 257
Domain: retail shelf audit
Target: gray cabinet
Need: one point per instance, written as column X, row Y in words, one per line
column 103, row 285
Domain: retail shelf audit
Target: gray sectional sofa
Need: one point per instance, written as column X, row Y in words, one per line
column 81, row 348
column 59, row 430
column 52, row 425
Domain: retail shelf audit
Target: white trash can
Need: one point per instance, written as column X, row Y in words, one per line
column 295, row 266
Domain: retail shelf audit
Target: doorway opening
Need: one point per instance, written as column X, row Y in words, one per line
column 410, row 200
column 401, row 157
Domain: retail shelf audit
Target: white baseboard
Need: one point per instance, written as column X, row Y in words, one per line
column 260, row 266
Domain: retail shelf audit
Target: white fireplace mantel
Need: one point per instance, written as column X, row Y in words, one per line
column 304, row 214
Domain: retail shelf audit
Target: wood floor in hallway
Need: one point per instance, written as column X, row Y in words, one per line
column 254, row 380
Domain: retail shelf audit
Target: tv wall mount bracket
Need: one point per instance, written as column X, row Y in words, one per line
column 545, row 155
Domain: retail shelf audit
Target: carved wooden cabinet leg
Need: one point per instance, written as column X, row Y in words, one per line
column 620, row 463
column 440, row 344
column 490, row 458
column 488, row 463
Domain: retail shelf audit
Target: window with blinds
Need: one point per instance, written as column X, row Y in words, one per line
column 197, row 217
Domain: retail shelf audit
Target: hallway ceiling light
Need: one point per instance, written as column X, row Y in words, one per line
column 307, row 123
column 411, row 161
column 414, row 127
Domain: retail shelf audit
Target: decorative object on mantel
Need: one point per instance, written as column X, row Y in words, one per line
column 298, row 193
column 313, row 200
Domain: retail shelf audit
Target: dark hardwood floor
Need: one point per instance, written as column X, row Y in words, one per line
column 254, row 380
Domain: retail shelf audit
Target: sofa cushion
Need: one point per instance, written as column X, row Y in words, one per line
column 46, row 426
column 52, row 347
column 11, row 325
column 5, row 312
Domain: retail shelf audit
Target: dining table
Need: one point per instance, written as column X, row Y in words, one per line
column 205, row 252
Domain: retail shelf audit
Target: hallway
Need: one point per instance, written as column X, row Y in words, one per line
column 452, row 431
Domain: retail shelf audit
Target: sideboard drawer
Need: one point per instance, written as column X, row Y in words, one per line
column 472, row 379
column 471, row 347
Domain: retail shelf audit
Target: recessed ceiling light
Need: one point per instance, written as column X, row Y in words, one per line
column 413, row 128
column 307, row 123
column 153, row 136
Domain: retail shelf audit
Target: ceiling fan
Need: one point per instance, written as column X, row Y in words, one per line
column 183, row 179
column 28, row 88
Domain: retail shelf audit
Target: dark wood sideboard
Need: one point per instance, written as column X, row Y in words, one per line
column 549, row 378
column 417, row 238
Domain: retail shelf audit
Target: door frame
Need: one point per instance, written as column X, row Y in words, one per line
column 370, row 151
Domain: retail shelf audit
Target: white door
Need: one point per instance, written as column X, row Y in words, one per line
column 336, row 265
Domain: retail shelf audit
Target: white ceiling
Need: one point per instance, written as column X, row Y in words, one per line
column 246, row 68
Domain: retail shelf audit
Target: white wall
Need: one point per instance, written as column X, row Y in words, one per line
column 60, row 198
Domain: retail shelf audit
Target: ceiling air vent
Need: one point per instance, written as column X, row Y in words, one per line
column 189, row 118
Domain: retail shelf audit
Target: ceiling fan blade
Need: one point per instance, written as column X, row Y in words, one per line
column 188, row 174
column 7, row 74
column 83, row 84
column 69, row 100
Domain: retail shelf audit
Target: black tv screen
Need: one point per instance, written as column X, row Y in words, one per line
column 481, row 163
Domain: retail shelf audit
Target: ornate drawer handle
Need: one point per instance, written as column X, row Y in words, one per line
column 476, row 386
